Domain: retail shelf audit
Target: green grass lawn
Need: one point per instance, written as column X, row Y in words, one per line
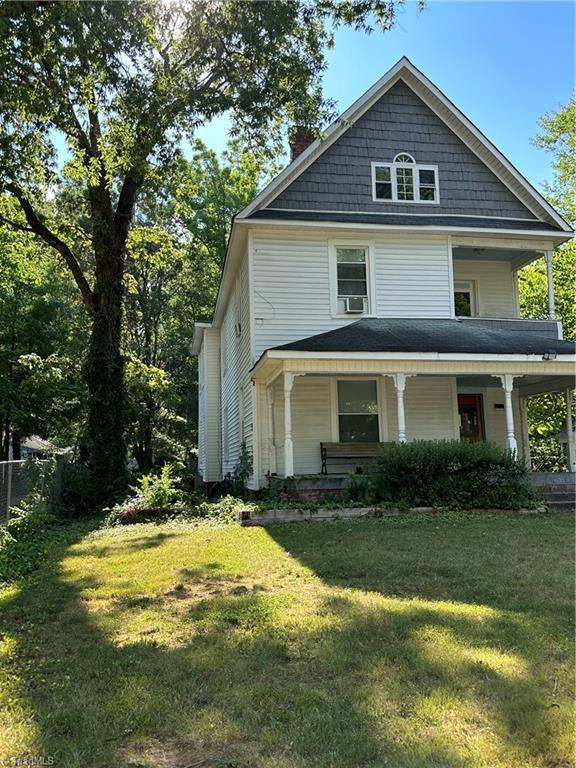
column 396, row 642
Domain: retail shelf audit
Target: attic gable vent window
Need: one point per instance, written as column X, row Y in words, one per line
column 404, row 181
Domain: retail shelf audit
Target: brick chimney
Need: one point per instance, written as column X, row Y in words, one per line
column 299, row 138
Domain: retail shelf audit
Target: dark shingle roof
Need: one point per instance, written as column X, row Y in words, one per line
column 429, row 335
column 393, row 219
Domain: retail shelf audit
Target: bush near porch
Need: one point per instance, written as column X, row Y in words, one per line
column 447, row 474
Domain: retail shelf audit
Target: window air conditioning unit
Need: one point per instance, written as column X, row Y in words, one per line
column 238, row 330
column 354, row 305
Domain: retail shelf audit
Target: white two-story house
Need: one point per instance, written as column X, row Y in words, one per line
column 370, row 295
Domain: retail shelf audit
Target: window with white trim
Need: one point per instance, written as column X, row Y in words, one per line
column 404, row 181
column 352, row 276
column 465, row 298
column 358, row 420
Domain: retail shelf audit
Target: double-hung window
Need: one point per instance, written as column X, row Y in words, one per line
column 404, row 181
column 351, row 283
column 358, row 411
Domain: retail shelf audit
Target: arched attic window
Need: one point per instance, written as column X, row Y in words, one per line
column 403, row 158
column 404, row 181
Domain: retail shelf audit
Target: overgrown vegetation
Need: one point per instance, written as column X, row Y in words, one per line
column 446, row 474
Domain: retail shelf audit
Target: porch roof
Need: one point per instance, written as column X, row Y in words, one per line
column 429, row 335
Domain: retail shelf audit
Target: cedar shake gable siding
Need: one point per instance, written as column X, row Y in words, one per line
column 340, row 179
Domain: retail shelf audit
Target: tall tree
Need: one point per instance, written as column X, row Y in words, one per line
column 117, row 85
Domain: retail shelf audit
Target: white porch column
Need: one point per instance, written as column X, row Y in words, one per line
column 271, row 443
column 399, row 380
column 288, row 444
column 507, row 385
column 570, row 433
column 549, row 256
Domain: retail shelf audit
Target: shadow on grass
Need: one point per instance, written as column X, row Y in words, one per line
column 364, row 680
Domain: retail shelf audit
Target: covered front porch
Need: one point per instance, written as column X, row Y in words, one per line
column 304, row 399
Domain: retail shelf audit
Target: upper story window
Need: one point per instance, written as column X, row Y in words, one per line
column 465, row 298
column 404, row 181
column 351, row 279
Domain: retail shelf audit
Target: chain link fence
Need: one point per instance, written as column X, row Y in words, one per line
column 16, row 479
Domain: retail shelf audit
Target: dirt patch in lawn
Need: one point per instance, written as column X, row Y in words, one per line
column 180, row 755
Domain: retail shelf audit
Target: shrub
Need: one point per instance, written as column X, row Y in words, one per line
column 23, row 541
column 242, row 471
column 447, row 474
column 133, row 511
column 158, row 491
column 73, row 491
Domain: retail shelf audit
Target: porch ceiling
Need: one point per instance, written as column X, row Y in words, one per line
column 537, row 375
column 526, row 385
column 494, row 254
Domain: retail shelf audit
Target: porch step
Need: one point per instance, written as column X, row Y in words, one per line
column 559, row 496
column 561, row 506
column 552, row 480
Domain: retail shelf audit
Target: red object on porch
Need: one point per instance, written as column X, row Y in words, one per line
column 471, row 416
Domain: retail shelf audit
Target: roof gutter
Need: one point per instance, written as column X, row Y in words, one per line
column 198, row 337
column 556, row 237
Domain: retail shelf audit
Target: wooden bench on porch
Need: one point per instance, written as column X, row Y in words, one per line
column 339, row 452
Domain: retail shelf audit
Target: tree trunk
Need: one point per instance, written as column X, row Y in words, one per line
column 105, row 380
column 16, row 446
column 5, row 447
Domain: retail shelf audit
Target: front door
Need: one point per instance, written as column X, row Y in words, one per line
column 470, row 412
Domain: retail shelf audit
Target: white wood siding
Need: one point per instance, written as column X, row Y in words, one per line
column 495, row 286
column 209, row 405
column 201, row 415
column 430, row 407
column 412, row 277
column 235, row 380
column 431, row 414
column 292, row 284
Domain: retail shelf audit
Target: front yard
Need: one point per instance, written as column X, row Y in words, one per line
column 442, row 642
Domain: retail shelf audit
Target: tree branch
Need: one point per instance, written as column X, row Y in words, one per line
column 15, row 225
column 39, row 228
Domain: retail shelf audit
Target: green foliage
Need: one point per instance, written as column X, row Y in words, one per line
column 242, row 471
column 40, row 343
column 190, row 507
column 76, row 496
column 279, row 489
column 159, row 490
column 546, row 413
column 23, row 541
column 533, row 288
column 447, row 474
column 225, row 510
column 547, row 454
column 119, row 86
column 175, row 254
column 559, row 137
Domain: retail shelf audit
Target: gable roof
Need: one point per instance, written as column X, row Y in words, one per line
column 447, row 112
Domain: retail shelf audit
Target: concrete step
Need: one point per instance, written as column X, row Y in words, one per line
column 545, row 489
column 559, row 496
column 561, row 506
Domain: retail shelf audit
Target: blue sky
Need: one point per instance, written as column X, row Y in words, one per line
column 504, row 64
